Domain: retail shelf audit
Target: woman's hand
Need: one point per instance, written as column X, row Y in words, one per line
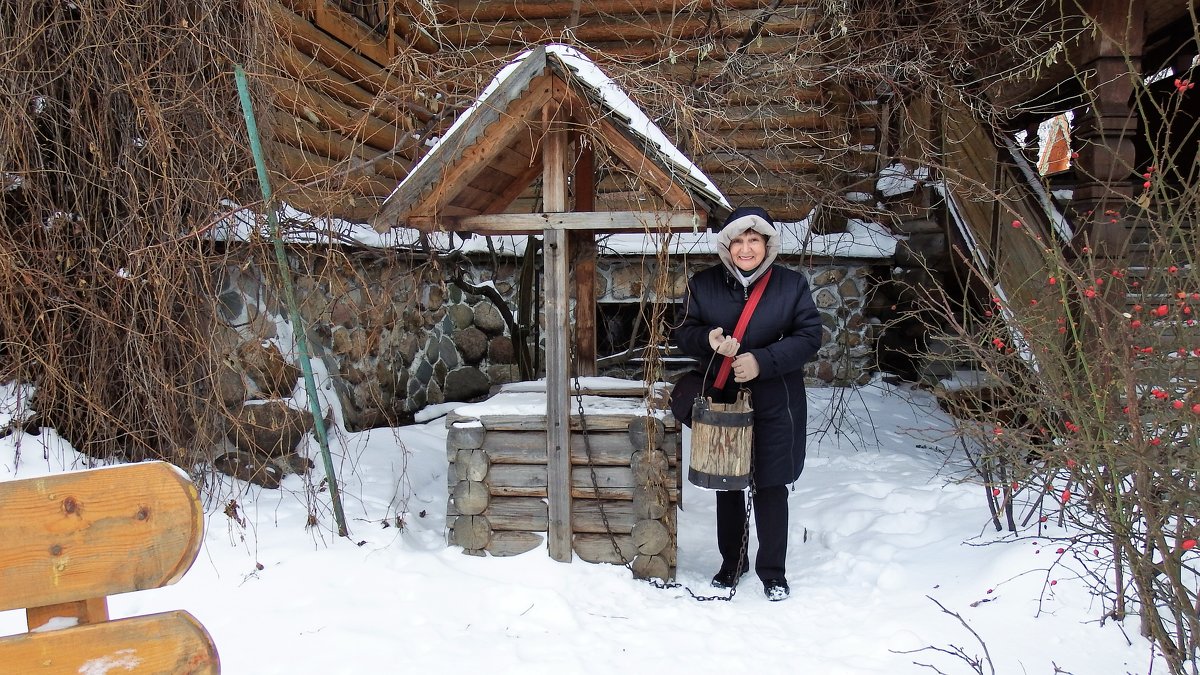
column 721, row 343
column 745, row 368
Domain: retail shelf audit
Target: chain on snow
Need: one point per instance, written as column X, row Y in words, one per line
column 657, row 583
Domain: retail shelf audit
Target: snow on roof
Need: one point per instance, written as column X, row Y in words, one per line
column 861, row 239
column 898, row 179
column 612, row 97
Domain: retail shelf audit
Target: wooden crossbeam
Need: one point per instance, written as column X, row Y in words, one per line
column 171, row 642
column 526, row 223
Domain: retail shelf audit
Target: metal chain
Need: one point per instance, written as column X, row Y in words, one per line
column 657, row 583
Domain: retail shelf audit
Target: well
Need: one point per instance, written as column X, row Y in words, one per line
column 621, row 489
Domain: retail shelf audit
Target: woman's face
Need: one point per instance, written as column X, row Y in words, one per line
column 748, row 250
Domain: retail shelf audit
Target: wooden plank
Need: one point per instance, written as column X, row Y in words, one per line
column 303, row 101
column 650, row 26
column 508, row 422
column 346, row 28
column 304, row 135
column 583, row 246
column 598, row 548
column 513, row 447
column 328, row 50
column 525, row 514
column 513, row 543
column 558, row 415
column 530, row 479
column 387, row 106
column 89, row 534
column 628, row 148
column 527, row 223
column 301, row 166
column 457, row 11
column 464, row 156
column 525, row 86
column 171, row 642
column 585, row 515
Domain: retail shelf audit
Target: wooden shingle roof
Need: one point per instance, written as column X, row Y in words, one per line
column 472, row 178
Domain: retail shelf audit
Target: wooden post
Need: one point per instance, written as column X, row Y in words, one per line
column 583, row 246
column 558, row 422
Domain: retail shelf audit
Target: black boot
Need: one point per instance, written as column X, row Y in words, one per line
column 776, row 589
column 726, row 577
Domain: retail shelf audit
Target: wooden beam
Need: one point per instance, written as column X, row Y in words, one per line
column 344, row 26
column 734, row 25
column 488, row 130
column 583, row 246
column 649, row 172
column 303, row 134
column 530, row 223
column 558, row 412
column 449, row 11
column 311, row 71
column 302, row 167
column 171, row 642
column 303, row 101
column 330, row 51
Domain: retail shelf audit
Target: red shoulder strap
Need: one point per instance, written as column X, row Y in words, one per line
column 740, row 329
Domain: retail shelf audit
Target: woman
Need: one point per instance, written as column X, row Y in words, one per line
column 783, row 334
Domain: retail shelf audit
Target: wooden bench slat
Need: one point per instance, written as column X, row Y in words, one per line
column 171, row 642
column 90, row 534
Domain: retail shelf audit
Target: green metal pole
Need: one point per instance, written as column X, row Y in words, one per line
column 285, row 273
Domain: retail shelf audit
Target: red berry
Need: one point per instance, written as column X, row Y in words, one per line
column 1188, row 544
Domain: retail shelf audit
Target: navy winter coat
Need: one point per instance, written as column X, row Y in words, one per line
column 784, row 334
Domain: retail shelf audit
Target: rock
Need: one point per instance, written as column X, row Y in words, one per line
column 273, row 428
column 472, row 344
column 251, row 467
column 266, row 367
column 230, row 305
column 500, row 350
column 465, row 384
column 827, row 277
column 825, row 299
column 488, row 319
column 461, row 315
column 231, row 389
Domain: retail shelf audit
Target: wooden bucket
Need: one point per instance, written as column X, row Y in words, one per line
column 722, row 435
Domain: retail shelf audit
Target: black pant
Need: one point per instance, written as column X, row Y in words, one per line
column 770, row 522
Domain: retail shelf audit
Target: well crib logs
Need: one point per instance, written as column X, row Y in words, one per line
column 624, row 487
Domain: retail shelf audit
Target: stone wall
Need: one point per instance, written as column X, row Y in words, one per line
column 840, row 290
column 400, row 338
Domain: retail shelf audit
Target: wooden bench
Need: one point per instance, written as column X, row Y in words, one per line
column 68, row 541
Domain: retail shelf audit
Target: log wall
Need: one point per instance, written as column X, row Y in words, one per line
column 624, row 487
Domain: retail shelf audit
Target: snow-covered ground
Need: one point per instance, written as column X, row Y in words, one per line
column 882, row 530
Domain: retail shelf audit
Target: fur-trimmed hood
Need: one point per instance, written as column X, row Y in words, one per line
column 742, row 219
